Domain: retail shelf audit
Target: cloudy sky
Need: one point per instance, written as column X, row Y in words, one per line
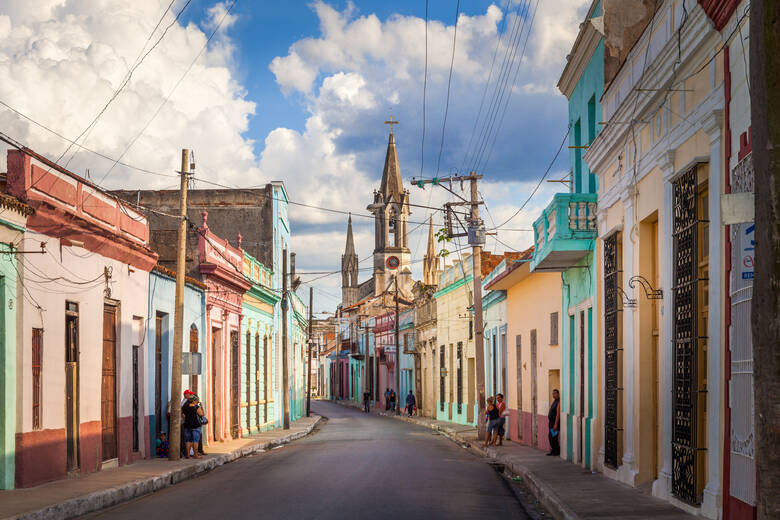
column 298, row 91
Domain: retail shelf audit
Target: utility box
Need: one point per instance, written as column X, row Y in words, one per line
column 476, row 233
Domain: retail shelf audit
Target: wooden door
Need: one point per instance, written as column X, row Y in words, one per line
column 235, row 383
column 534, row 439
column 194, row 350
column 108, row 384
column 257, row 381
column 158, row 411
column 215, row 416
column 72, row 386
column 519, row 370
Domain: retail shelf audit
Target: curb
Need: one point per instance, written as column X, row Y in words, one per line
column 110, row 497
column 542, row 491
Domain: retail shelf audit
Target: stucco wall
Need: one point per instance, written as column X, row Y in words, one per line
column 529, row 305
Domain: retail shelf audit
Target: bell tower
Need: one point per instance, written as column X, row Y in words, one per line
column 391, row 225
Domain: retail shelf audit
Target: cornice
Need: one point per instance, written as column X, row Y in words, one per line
column 576, row 62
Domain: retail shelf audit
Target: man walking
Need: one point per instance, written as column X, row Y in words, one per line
column 411, row 402
column 387, row 399
column 366, row 402
column 554, row 423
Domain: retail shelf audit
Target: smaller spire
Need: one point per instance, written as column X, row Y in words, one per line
column 350, row 249
column 431, row 243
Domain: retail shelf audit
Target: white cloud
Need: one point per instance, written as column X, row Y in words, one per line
column 62, row 62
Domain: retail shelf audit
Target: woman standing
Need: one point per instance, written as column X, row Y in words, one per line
column 191, row 412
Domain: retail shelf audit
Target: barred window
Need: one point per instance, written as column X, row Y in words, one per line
column 37, row 351
column 553, row 328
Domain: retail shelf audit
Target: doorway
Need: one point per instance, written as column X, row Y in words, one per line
column 72, row 385
column 216, row 339
column 472, row 389
column 194, row 350
column 235, row 382
column 108, row 384
column 534, row 425
column 581, row 415
column 519, row 370
column 158, row 411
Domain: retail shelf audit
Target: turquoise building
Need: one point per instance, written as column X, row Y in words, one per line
column 407, row 357
column 257, row 324
column 13, row 218
column 495, row 336
column 297, row 348
column 159, row 351
column 565, row 239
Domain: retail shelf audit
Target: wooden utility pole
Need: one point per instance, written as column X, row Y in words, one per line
column 309, row 342
column 174, row 423
column 476, row 235
column 397, row 354
column 285, row 380
column 476, row 239
column 765, row 306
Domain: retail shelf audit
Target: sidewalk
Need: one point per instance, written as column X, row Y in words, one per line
column 73, row 497
column 567, row 490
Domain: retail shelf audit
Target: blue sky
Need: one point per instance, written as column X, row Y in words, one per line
column 298, row 92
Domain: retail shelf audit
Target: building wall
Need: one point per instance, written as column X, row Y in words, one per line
column 40, row 454
column 452, row 319
column 529, row 305
column 257, row 321
column 162, row 302
column 11, row 229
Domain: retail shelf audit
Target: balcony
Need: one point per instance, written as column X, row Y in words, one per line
column 565, row 232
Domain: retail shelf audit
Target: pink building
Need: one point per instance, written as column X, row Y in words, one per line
column 220, row 266
column 81, row 325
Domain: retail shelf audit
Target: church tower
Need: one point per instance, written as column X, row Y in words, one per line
column 349, row 270
column 391, row 218
column 431, row 260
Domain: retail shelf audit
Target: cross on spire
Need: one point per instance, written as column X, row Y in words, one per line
column 391, row 123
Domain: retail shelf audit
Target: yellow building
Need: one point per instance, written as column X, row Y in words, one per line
column 661, row 254
column 533, row 303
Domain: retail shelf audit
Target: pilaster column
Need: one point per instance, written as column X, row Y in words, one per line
column 627, row 470
column 602, row 230
column 663, row 485
column 712, row 124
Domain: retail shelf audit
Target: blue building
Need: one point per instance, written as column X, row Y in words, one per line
column 565, row 237
column 159, row 351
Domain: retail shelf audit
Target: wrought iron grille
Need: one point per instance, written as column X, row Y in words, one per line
column 611, row 341
column 685, row 381
column 235, row 388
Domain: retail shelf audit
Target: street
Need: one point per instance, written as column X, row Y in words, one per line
column 355, row 466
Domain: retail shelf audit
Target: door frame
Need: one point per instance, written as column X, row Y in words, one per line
column 113, row 305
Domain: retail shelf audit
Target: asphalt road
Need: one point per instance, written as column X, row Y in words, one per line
column 355, row 466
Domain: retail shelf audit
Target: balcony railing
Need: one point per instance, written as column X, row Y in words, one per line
column 565, row 231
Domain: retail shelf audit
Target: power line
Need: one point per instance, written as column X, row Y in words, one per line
column 449, row 83
column 129, row 74
column 539, row 183
column 425, row 87
column 170, row 93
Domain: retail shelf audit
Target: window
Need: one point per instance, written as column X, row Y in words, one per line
column 471, row 329
column 553, row 328
column 37, row 351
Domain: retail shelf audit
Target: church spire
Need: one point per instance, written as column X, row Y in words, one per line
column 350, row 249
column 430, row 260
column 349, row 269
column 391, row 175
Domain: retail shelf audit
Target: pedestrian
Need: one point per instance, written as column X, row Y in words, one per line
column 191, row 413
column 411, row 403
column 392, row 399
column 492, row 417
column 387, row 399
column 187, row 394
column 503, row 414
column 554, row 421
column 366, row 402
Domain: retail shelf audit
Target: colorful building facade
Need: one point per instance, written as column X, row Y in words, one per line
column 13, row 220
column 78, row 403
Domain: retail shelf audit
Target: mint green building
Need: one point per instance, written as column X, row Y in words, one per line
column 13, row 218
column 565, row 238
column 258, row 408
